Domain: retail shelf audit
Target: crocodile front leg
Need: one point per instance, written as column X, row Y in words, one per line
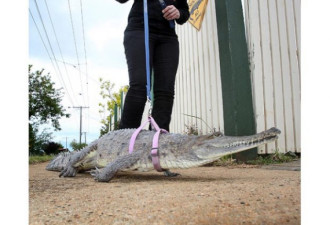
column 123, row 162
column 69, row 170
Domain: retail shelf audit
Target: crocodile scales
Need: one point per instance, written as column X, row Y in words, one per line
column 110, row 152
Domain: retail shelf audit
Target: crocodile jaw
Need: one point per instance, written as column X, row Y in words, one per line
column 226, row 145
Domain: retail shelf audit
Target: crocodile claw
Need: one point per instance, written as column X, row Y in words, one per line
column 99, row 175
column 168, row 173
column 68, row 171
column 95, row 172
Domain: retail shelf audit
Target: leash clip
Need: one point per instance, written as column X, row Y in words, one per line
column 150, row 107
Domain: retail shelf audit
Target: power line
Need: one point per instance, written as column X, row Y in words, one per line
column 83, row 31
column 70, row 64
column 75, row 66
column 51, row 60
column 75, row 43
column 55, row 60
column 60, row 50
column 60, row 74
column 43, row 42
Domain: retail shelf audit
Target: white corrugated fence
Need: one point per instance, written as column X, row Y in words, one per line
column 273, row 37
column 198, row 101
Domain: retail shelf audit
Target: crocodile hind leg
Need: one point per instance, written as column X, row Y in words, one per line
column 123, row 162
column 71, row 171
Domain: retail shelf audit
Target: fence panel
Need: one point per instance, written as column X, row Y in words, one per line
column 273, row 29
column 198, row 100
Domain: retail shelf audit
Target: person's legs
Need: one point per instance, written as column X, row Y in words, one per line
column 136, row 96
column 165, row 65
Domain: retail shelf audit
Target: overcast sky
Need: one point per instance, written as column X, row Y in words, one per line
column 80, row 51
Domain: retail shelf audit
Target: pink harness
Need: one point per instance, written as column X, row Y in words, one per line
column 154, row 150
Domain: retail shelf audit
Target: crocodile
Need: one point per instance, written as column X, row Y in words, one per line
column 104, row 157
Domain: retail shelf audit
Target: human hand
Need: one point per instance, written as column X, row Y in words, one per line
column 171, row 13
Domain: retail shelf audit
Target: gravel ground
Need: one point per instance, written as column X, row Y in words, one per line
column 204, row 195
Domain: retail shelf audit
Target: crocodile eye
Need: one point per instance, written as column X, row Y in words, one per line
column 208, row 146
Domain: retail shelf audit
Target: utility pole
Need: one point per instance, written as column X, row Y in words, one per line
column 81, row 108
column 85, row 135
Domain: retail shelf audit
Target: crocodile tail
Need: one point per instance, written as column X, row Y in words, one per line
column 59, row 161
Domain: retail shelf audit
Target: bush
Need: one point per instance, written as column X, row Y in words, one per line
column 52, row 148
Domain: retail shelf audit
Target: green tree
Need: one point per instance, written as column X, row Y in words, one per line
column 76, row 146
column 111, row 99
column 38, row 141
column 44, row 107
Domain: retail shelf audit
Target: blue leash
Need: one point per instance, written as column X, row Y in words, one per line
column 146, row 41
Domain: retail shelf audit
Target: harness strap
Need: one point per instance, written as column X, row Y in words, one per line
column 153, row 123
column 154, row 150
column 134, row 136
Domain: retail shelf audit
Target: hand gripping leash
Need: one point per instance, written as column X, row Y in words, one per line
column 163, row 5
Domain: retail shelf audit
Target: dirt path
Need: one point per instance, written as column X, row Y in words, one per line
column 205, row 195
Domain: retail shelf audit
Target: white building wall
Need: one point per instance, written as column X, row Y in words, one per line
column 273, row 36
column 198, row 98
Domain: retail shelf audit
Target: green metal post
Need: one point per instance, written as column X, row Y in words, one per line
column 110, row 123
column 235, row 73
column 121, row 103
column 115, row 117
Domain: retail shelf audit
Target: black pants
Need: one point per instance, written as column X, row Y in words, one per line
column 164, row 59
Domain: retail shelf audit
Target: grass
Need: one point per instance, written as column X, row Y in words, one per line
column 191, row 130
column 275, row 158
column 40, row 158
